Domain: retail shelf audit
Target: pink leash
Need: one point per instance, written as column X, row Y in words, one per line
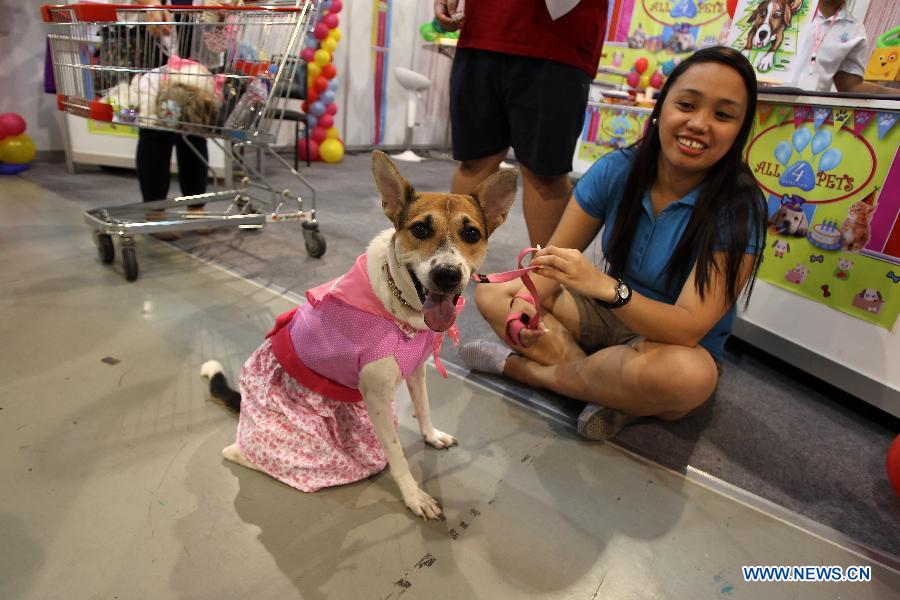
column 516, row 322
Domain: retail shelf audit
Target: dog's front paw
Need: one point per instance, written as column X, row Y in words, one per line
column 439, row 439
column 422, row 504
column 765, row 63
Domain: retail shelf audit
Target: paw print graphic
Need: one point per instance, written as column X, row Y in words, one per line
column 800, row 174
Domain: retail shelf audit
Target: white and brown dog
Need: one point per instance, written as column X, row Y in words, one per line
column 409, row 281
column 767, row 25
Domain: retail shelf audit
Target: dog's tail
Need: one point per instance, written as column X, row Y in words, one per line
column 218, row 385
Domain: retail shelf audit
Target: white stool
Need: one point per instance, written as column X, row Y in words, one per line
column 414, row 82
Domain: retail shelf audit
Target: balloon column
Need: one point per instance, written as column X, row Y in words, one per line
column 16, row 148
column 322, row 84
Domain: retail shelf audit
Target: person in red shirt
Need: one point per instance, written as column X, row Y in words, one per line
column 520, row 79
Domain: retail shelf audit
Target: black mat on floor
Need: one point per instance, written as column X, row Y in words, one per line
column 768, row 430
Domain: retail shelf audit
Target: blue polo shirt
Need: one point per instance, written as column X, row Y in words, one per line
column 599, row 193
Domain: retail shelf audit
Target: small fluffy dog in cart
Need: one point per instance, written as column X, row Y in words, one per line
column 316, row 402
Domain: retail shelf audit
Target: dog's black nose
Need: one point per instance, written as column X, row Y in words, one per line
column 446, row 278
column 763, row 35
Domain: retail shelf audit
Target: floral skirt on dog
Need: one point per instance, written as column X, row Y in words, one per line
column 299, row 436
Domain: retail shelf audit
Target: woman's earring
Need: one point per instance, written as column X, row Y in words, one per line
column 655, row 121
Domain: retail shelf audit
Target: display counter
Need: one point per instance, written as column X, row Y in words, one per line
column 828, row 293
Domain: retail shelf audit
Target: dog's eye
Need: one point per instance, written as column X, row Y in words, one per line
column 471, row 235
column 420, row 230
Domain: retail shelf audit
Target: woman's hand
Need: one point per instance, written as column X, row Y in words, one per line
column 572, row 269
column 163, row 16
column 527, row 337
column 446, row 15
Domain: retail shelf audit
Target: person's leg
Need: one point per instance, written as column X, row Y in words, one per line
column 154, row 152
column 544, row 199
column 469, row 173
column 192, row 169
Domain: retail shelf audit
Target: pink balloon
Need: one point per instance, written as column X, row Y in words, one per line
column 331, row 109
column 633, row 79
column 326, row 120
column 656, row 80
column 331, row 20
column 308, row 55
column 321, row 31
column 313, row 149
column 12, row 124
column 320, row 132
column 336, row 6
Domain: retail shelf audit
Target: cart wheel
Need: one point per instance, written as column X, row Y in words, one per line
column 129, row 263
column 315, row 243
column 105, row 248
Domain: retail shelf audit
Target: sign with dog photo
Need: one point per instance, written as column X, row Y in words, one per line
column 833, row 193
column 768, row 32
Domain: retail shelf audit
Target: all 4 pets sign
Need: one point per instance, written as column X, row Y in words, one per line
column 832, row 181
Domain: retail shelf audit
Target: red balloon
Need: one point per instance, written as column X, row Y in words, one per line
column 304, row 106
column 331, row 20
column 640, row 65
column 12, row 124
column 313, row 149
column 320, row 32
column 329, row 71
column 336, row 6
column 308, row 55
column 320, row 84
column 312, row 95
column 320, row 132
column 731, row 5
column 331, row 109
column 326, row 121
column 893, row 465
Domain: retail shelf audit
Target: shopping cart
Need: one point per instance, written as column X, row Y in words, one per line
column 220, row 72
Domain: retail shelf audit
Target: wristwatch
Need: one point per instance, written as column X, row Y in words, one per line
column 623, row 296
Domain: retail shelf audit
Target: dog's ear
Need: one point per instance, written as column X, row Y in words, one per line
column 788, row 15
column 753, row 16
column 495, row 195
column 788, row 247
column 395, row 191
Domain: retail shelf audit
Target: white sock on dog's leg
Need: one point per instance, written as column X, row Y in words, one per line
column 482, row 355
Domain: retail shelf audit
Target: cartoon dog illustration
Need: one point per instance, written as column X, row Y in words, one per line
column 884, row 64
column 790, row 219
column 869, row 299
column 682, row 40
column 767, row 25
column 798, row 274
column 843, row 268
column 781, row 247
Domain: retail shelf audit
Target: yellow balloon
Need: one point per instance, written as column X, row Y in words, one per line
column 331, row 150
column 332, row 133
column 329, row 44
column 313, row 70
column 20, row 150
column 645, row 80
column 322, row 57
column 335, row 34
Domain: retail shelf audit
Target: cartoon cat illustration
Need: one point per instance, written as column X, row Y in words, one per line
column 855, row 229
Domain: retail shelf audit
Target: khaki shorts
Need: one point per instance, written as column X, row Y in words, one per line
column 601, row 328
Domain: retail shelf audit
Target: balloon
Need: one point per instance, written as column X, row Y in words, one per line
column 313, row 149
column 308, row 55
column 12, row 124
column 329, row 44
column 633, row 79
column 311, row 121
column 331, row 20
column 668, row 67
column 332, row 133
column 318, row 134
column 783, row 152
column 322, row 57
column 426, row 31
column 331, row 109
column 336, row 6
column 317, row 109
column 313, row 69
column 893, row 464
column 311, row 42
column 326, row 121
column 821, row 140
column 312, row 95
column 830, row 159
column 325, row 5
column 328, row 71
column 331, row 150
column 801, row 139
column 320, row 84
column 327, row 98
column 333, row 84
column 645, row 81
column 656, row 80
column 320, row 32
column 17, row 149
column 335, row 34
column 641, row 64
column 731, row 6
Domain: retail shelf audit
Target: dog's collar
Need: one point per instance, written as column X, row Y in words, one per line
column 395, row 290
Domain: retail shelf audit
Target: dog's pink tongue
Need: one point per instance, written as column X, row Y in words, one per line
column 439, row 311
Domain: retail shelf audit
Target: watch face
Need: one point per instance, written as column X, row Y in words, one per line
column 622, row 291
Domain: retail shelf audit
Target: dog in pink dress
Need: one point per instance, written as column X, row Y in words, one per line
column 317, row 397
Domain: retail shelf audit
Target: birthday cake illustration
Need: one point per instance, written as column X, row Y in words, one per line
column 825, row 235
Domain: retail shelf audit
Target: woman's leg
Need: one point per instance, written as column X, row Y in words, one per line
column 192, row 170
column 154, row 152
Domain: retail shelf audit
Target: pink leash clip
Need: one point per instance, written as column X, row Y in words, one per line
column 518, row 321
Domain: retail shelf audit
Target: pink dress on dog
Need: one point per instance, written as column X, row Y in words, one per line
column 302, row 418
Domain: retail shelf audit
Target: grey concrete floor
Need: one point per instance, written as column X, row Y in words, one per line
column 114, row 486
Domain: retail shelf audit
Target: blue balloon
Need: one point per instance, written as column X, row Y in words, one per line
column 325, row 5
column 311, row 42
column 801, row 138
column 830, row 159
column 317, row 109
column 312, row 121
column 799, row 175
column 333, row 84
column 783, row 152
column 327, row 97
column 821, row 140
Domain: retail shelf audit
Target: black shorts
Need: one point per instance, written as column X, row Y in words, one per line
column 532, row 104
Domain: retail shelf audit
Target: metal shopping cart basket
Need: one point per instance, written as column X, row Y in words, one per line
column 220, row 72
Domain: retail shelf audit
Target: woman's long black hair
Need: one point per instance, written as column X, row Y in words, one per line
column 730, row 209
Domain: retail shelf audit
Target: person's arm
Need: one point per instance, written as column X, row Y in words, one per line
column 444, row 12
column 846, row 82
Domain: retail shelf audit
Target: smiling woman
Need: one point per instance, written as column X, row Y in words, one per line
column 686, row 226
